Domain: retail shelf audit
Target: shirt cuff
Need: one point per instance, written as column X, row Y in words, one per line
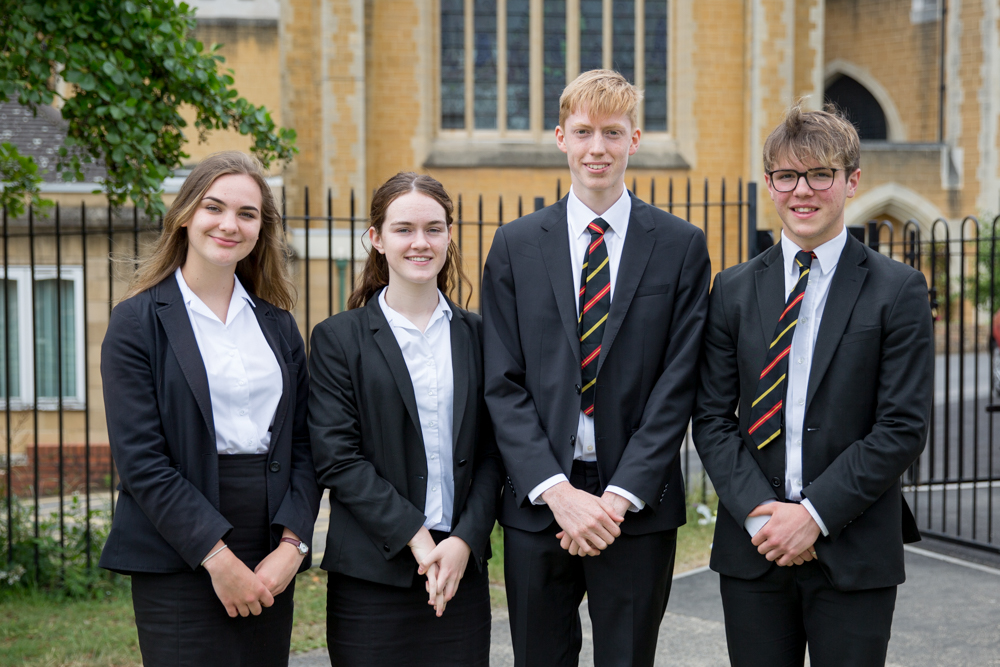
column 815, row 515
column 535, row 495
column 753, row 524
column 637, row 503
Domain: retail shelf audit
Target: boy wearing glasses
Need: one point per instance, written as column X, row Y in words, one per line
column 814, row 397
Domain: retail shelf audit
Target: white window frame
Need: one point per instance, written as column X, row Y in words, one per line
column 22, row 275
column 925, row 11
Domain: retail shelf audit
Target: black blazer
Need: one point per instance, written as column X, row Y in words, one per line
column 162, row 435
column 369, row 449
column 867, row 406
column 646, row 370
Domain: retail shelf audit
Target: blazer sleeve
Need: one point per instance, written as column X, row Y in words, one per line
column 476, row 521
column 177, row 509
column 527, row 454
column 739, row 482
column 300, row 504
column 868, row 467
column 667, row 412
column 389, row 519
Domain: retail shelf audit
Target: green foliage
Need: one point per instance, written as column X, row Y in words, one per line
column 20, row 175
column 61, row 569
column 987, row 276
column 131, row 66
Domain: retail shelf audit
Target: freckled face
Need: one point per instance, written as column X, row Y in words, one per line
column 810, row 217
column 414, row 239
column 226, row 223
column 598, row 150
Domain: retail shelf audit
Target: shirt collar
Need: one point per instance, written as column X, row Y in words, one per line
column 396, row 320
column 194, row 302
column 579, row 215
column 827, row 255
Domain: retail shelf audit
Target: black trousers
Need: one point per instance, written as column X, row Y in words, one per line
column 627, row 588
column 771, row 619
column 180, row 620
column 370, row 624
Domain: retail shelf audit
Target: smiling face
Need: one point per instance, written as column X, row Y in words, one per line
column 597, row 150
column 225, row 225
column 414, row 239
column 810, row 218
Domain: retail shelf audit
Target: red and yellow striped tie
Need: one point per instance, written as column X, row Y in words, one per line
column 766, row 411
column 595, row 301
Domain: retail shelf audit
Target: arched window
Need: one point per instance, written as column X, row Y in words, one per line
column 860, row 105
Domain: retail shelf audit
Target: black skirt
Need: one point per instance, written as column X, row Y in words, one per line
column 181, row 621
column 371, row 624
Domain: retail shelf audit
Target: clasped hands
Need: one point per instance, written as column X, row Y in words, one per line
column 243, row 592
column 589, row 523
column 789, row 536
column 444, row 564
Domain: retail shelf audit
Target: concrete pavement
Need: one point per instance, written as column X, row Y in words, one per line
column 947, row 614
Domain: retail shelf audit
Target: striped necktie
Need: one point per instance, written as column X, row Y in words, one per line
column 766, row 412
column 595, row 301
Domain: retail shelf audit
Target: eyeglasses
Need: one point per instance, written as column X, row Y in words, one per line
column 786, row 180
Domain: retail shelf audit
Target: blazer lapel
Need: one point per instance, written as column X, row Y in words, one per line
column 387, row 343
column 770, row 283
column 174, row 318
column 844, row 291
column 461, row 359
column 555, row 249
column 635, row 255
column 269, row 327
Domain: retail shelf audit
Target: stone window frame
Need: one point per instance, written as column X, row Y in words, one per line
column 74, row 398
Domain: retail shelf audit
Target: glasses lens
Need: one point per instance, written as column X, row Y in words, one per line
column 784, row 180
column 819, row 179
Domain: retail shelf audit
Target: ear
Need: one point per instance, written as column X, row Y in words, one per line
column 852, row 182
column 376, row 240
column 561, row 139
column 634, row 145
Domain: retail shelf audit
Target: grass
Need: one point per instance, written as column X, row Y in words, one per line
column 39, row 630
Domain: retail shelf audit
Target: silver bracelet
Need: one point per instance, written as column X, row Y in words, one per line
column 213, row 554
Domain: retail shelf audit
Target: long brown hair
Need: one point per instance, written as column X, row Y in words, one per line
column 263, row 272
column 375, row 275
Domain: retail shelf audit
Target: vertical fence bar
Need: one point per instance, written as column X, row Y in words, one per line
column 975, row 384
column 961, row 378
column 460, row 248
column 34, row 376
column 305, row 262
column 329, row 251
column 558, row 189
column 739, row 220
column 722, row 222
column 993, row 309
column 353, row 239
column 704, row 200
column 753, row 248
column 652, row 191
column 111, row 305
column 479, row 257
column 7, row 398
column 670, row 195
column 687, row 202
column 59, row 398
column 86, row 387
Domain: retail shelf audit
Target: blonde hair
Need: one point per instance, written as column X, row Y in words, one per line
column 263, row 272
column 825, row 136
column 375, row 275
column 602, row 93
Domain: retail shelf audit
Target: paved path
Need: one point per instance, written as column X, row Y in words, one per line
column 947, row 614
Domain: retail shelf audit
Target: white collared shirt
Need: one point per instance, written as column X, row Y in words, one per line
column 244, row 379
column 427, row 355
column 800, row 359
column 578, row 216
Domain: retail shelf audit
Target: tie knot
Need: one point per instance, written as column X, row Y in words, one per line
column 597, row 227
column 804, row 259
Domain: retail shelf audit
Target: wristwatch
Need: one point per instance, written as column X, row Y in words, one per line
column 301, row 546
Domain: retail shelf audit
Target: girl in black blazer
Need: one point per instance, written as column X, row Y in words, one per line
column 205, row 388
column 402, row 439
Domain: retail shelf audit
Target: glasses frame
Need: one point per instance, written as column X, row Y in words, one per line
column 800, row 175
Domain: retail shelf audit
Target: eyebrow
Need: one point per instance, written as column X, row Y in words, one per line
column 242, row 208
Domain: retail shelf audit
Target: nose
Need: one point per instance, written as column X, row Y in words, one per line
column 802, row 187
column 420, row 239
column 228, row 221
column 597, row 144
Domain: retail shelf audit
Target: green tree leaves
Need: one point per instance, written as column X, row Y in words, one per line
column 131, row 66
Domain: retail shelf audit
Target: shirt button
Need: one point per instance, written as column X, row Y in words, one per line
column 433, row 457
column 802, row 401
column 432, row 424
column 800, row 360
column 242, row 412
column 434, row 488
column 803, row 319
column 430, row 363
column 242, row 382
column 590, row 448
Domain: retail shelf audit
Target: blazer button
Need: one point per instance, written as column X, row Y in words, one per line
column 386, row 547
column 775, row 482
column 572, row 439
column 461, row 464
column 579, row 389
column 275, row 466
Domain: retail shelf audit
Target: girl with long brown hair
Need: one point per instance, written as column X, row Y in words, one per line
column 402, row 439
column 205, row 389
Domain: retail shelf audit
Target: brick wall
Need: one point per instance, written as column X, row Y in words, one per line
column 74, row 470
